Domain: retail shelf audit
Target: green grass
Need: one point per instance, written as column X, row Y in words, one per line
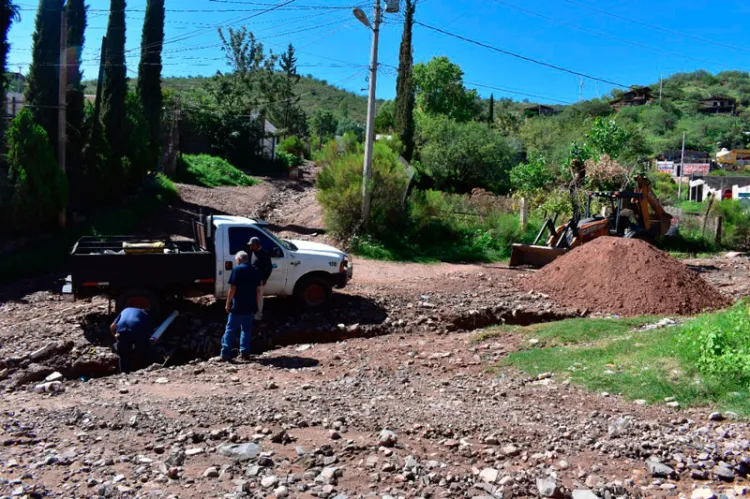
column 210, row 171
column 691, row 207
column 609, row 355
column 45, row 256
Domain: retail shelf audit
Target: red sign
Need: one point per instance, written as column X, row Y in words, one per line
column 696, row 169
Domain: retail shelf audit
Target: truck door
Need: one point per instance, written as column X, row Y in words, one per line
column 237, row 239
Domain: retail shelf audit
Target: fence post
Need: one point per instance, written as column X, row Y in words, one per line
column 524, row 213
column 705, row 215
column 719, row 225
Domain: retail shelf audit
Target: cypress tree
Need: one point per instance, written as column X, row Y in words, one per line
column 43, row 81
column 75, row 12
column 115, row 90
column 149, row 72
column 491, row 116
column 404, row 114
column 8, row 14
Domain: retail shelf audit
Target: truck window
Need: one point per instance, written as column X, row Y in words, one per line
column 239, row 237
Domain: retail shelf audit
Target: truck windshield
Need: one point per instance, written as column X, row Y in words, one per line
column 281, row 242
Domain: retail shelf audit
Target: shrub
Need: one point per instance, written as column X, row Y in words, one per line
column 664, row 186
column 328, row 154
column 288, row 160
column 340, row 193
column 348, row 125
column 40, row 190
column 533, row 176
column 210, row 171
column 736, row 232
column 293, row 145
column 606, row 174
column 352, row 144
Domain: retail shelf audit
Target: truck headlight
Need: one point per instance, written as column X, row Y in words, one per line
column 344, row 264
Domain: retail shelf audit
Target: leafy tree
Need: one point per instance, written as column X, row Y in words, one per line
column 491, row 114
column 114, row 92
column 323, row 124
column 384, row 121
column 293, row 145
column 440, row 90
column 39, row 187
column 532, row 176
column 348, row 125
column 42, row 90
column 403, row 115
column 8, row 14
column 462, row 156
column 607, row 137
column 149, row 74
column 75, row 13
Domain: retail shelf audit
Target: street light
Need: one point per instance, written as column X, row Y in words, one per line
column 391, row 6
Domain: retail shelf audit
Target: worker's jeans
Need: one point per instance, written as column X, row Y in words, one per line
column 128, row 349
column 234, row 324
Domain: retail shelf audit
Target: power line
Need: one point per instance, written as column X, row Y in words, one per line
column 510, row 91
column 658, row 28
column 522, row 57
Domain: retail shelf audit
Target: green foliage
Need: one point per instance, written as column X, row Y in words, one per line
column 736, row 231
column 340, row 193
column 210, row 171
column 288, row 160
column 663, row 186
column 462, row 156
column 115, row 90
column 293, row 145
column 607, row 137
column 403, row 113
column 42, row 84
column 287, row 114
column 348, row 125
column 532, row 176
column 323, row 124
column 353, row 144
column 385, row 120
column 149, row 73
column 440, row 90
column 75, row 13
column 9, row 13
column 40, row 190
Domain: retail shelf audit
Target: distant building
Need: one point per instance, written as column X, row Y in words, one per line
column 538, row 110
column 718, row 104
column 637, row 96
column 718, row 187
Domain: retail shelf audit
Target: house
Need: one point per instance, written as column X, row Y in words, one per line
column 637, row 96
column 718, row 104
column 705, row 187
column 270, row 141
column 539, row 110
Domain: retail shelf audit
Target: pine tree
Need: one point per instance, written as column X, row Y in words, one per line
column 292, row 118
column 404, row 114
column 491, row 116
column 8, row 14
column 75, row 12
column 42, row 90
column 114, row 91
column 149, row 73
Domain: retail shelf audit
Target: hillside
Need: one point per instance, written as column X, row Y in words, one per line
column 316, row 94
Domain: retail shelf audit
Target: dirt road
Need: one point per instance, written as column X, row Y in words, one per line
column 395, row 353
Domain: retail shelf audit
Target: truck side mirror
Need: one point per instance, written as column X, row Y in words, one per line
column 277, row 253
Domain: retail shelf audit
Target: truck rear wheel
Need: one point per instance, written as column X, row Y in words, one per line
column 139, row 298
column 313, row 292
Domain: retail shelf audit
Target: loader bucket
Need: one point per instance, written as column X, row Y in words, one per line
column 534, row 256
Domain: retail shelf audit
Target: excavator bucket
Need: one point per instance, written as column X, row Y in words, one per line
column 534, row 256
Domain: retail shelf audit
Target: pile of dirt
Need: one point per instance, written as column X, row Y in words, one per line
column 626, row 277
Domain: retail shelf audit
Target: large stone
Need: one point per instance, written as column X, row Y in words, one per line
column 510, row 450
column 703, row 494
column 547, row 486
column 658, row 469
column 329, row 475
column 240, row 452
column 387, row 438
column 281, row 492
column 489, row 475
column 584, row 494
column 176, row 458
column 724, row 472
column 269, row 481
column 212, row 472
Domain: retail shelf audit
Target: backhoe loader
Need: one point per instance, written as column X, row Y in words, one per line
column 635, row 214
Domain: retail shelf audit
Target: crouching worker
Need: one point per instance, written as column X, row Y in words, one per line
column 132, row 332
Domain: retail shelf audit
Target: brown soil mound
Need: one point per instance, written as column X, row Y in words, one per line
column 626, row 277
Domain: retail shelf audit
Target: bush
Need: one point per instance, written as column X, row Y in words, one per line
column 210, row 171
column 328, row 154
column 736, row 232
column 352, row 144
column 288, row 160
column 40, row 190
column 348, row 125
column 533, row 176
column 462, row 156
column 293, row 145
column 340, row 193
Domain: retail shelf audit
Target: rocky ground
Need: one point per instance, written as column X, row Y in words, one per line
column 385, row 395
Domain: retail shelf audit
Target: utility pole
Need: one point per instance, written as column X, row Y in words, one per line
column 62, row 98
column 682, row 168
column 370, row 132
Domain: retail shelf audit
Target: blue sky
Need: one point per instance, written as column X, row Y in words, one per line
column 333, row 46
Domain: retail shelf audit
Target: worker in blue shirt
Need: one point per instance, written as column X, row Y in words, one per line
column 242, row 305
column 132, row 332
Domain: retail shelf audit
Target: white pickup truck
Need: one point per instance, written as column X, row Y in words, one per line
column 143, row 272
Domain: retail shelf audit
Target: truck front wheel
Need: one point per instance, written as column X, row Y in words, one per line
column 313, row 292
column 139, row 298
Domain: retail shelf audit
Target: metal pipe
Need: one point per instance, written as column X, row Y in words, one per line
column 164, row 325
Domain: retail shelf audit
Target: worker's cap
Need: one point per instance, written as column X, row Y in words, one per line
column 254, row 240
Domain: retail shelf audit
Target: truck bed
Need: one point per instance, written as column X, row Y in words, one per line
column 98, row 262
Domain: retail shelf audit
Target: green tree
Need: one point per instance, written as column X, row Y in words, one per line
column 42, row 90
column 491, row 114
column 323, row 124
column 532, row 176
column 384, row 121
column 75, row 13
column 39, row 187
column 403, row 115
column 8, row 14
column 149, row 74
column 291, row 118
column 607, row 137
column 440, row 90
column 114, row 92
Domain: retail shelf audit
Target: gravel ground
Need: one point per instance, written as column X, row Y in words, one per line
column 384, row 395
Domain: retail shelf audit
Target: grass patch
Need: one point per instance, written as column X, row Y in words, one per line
column 570, row 331
column 46, row 255
column 693, row 207
column 210, row 171
column 697, row 363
